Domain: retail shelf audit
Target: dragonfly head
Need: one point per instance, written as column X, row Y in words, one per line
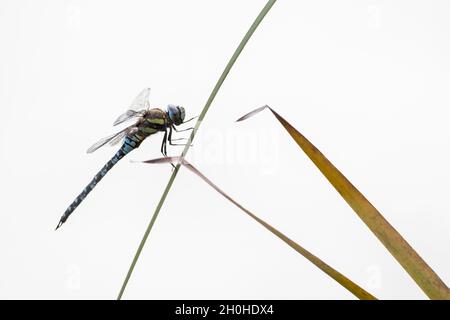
column 176, row 114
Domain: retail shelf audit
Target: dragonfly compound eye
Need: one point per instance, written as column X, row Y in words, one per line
column 182, row 113
column 176, row 114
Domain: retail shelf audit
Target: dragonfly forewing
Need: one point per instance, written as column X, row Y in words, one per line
column 137, row 108
column 130, row 114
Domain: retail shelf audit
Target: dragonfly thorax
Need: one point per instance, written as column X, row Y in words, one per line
column 176, row 114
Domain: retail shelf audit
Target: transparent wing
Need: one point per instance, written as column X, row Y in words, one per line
column 141, row 101
column 113, row 139
column 130, row 114
column 138, row 107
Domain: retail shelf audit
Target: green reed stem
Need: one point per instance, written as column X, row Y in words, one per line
column 213, row 94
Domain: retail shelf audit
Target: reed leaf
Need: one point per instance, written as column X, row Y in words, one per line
column 205, row 109
column 414, row 265
column 330, row 271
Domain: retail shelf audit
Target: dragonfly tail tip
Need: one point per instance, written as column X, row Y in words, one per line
column 59, row 225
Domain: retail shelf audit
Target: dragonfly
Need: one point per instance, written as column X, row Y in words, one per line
column 146, row 122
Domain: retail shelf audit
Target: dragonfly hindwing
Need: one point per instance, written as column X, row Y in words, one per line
column 114, row 138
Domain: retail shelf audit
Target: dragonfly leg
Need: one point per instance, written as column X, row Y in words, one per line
column 170, row 138
column 180, row 144
column 190, row 119
column 182, row 129
column 164, row 145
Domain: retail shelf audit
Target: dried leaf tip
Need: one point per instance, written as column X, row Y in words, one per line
column 252, row 113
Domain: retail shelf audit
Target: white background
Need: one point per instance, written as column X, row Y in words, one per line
column 366, row 81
